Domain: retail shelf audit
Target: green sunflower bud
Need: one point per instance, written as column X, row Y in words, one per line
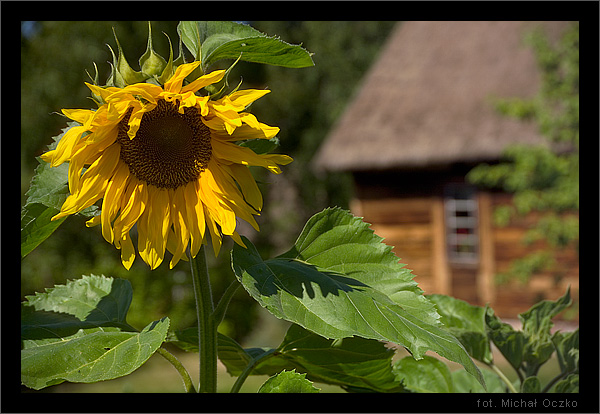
column 127, row 74
column 152, row 64
column 168, row 71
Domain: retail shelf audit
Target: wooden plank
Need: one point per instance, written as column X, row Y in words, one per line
column 413, row 232
column 441, row 272
column 485, row 279
column 396, row 210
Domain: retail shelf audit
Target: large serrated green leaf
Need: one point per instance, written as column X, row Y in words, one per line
column 78, row 332
column 89, row 355
column 214, row 41
column 92, row 298
column 339, row 280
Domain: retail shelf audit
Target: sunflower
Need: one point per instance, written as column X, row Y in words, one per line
column 165, row 158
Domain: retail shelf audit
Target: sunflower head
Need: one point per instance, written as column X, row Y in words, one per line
column 161, row 155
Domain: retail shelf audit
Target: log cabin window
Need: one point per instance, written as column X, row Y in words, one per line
column 462, row 238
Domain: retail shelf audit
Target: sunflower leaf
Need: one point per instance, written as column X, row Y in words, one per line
column 36, row 226
column 78, row 332
column 286, row 382
column 340, row 280
column 467, row 323
column 213, row 41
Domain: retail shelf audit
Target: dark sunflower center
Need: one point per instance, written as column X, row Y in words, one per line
column 169, row 149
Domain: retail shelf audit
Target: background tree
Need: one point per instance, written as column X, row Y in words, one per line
column 544, row 178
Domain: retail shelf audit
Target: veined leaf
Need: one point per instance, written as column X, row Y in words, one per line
column 467, row 323
column 36, row 226
column 426, row 375
column 78, row 332
column 567, row 350
column 339, row 280
column 463, row 382
column 210, row 41
column 89, row 355
column 355, row 363
column 91, row 298
column 288, row 382
column 510, row 342
column 537, row 322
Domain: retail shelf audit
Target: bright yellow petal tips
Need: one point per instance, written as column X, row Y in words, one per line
column 163, row 160
column 203, row 81
column 174, row 84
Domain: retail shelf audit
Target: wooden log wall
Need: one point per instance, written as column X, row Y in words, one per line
column 414, row 226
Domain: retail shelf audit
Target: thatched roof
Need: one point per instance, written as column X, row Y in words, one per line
column 427, row 99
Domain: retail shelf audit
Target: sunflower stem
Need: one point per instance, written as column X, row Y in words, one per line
column 207, row 329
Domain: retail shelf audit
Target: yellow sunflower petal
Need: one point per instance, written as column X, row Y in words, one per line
column 94, row 221
column 195, row 216
column 236, row 238
column 127, row 251
column 147, row 91
column 116, row 110
column 133, row 205
column 102, row 92
column 93, row 183
column 112, row 201
column 135, row 119
column 215, row 235
column 181, row 232
column 64, row 149
column 204, row 80
column 250, row 120
column 156, row 227
column 247, row 183
column 223, row 184
column 219, row 211
column 85, row 155
column 242, row 99
column 243, row 132
column 175, row 82
column 245, row 156
column 80, row 115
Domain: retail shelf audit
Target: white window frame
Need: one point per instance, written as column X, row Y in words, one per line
column 461, row 213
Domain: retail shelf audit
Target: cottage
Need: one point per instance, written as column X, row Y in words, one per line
column 421, row 120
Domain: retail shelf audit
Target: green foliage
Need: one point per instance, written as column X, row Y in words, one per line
column 213, row 41
column 544, row 178
column 344, row 291
column 352, row 363
column 526, row 350
column 308, row 102
column 78, row 333
column 467, row 323
column 339, row 280
column 288, row 381
column 426, row 375
column 46, row 194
